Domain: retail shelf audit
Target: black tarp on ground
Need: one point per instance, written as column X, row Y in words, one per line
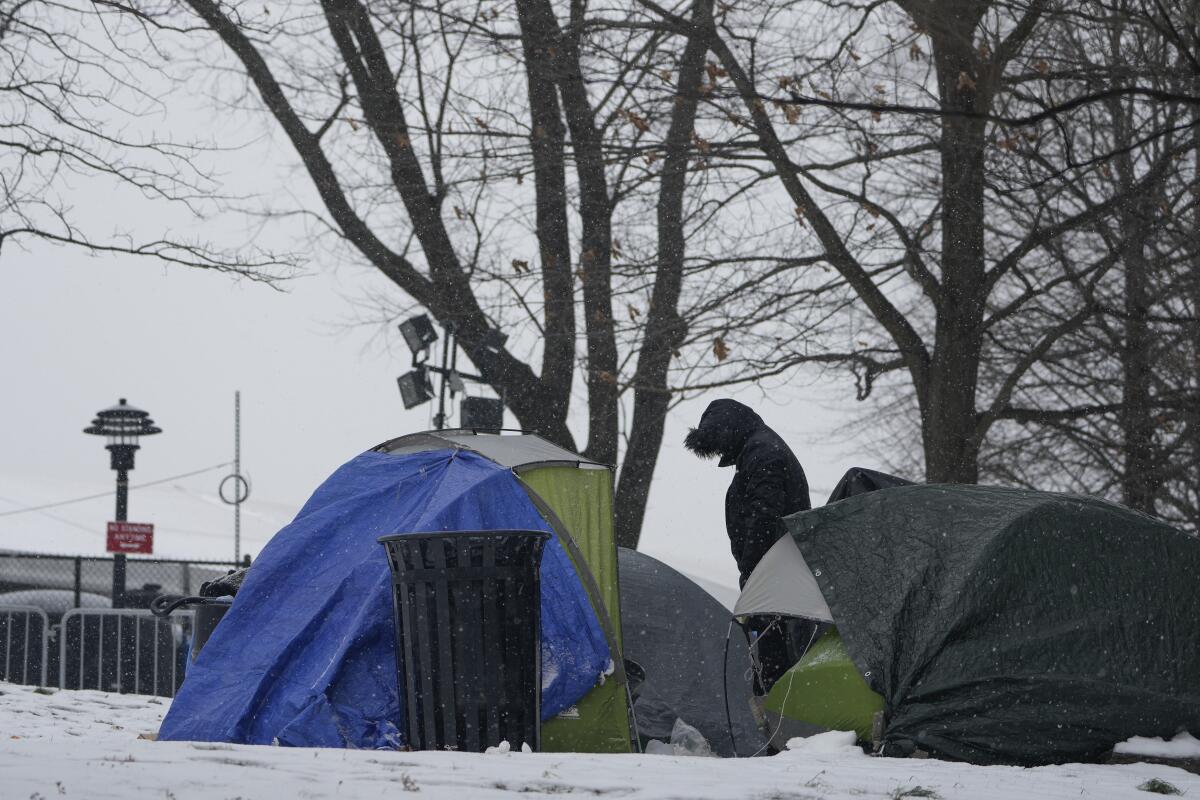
column 1009, row 626
column 676, row 632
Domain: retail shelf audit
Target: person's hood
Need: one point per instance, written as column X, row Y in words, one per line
column 723, row 431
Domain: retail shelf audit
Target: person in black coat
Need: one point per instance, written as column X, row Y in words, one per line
column 768, row 484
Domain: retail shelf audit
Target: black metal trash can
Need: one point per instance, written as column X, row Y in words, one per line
column 468, row 637
column 208, row 611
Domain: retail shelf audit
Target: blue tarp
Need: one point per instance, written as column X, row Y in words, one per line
column 305, row 656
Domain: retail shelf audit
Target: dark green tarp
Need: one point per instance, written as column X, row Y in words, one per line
column 1004, row 626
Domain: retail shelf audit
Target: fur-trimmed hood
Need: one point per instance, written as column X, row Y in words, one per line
column 724, row 428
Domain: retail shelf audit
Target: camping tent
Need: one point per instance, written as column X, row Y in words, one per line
column 1000, row 625
column 305, row 655
column 860, row 480
column 677, row 632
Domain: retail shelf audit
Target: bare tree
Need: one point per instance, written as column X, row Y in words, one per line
column 550, row 173
column 1113, row 408
column 77, row 91
column 946, row 191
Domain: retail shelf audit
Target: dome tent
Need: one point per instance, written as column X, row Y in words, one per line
column 305, row 655
column 676, row 632
column 1003, row 626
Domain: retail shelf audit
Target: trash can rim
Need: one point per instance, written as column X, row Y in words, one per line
column 392, row 537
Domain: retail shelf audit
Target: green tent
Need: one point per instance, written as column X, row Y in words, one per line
column 575, row 496
column 823, row 690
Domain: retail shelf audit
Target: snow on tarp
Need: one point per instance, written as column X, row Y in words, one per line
column 305, row 656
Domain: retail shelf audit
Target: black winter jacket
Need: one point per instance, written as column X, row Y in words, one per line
column 769, row 483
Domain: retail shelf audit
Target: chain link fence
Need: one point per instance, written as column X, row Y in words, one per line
column 59, row 627
column 89, row 579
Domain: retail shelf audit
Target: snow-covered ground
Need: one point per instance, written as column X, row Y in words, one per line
column 85, row 745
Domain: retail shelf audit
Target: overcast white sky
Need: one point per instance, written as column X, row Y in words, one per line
column 80, row 331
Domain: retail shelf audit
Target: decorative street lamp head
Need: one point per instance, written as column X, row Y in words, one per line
column 122, row 424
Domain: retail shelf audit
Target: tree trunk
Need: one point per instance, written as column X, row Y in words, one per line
column 1140, row 473
column 595, row 259
column 547, row 145
column 665, row 330
column 1192, row 419
column 948, row 398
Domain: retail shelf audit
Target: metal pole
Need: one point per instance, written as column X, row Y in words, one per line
column 237, row 470
column 439, row 421
column 118, row 586
column 118, row 575
column 122, row 495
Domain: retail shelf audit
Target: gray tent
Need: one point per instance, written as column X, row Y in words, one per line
column 676, row 632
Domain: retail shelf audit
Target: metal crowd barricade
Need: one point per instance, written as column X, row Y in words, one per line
column 24, row 633
column 122, row 650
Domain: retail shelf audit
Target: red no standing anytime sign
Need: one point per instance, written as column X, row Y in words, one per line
column 130, row 537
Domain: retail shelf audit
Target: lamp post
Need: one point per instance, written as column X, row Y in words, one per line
column 122, row 425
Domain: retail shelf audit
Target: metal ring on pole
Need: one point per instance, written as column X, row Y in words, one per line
column 240, row 492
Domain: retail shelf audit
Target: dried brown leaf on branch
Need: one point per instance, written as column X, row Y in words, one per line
column 520, row 265
column 720, row 349
column 635, row 120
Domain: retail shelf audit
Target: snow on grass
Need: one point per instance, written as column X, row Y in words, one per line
column 84, row 745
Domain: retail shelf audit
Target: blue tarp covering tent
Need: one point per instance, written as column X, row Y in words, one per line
column 305, row 657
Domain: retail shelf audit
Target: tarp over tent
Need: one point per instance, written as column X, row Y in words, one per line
column 306, row 654
column 677, row 633
column 1011, row 626
column 860, row 480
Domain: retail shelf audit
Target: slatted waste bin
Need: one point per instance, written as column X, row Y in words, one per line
column 468, row 637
